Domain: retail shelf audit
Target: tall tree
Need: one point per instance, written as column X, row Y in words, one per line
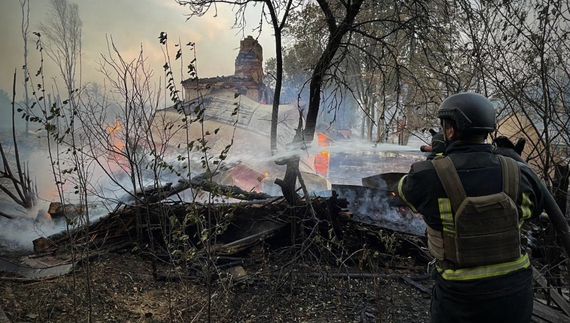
column 62, row 32
column 338, row 27
column 390, row 61
column 521, row 53
column 25, row 6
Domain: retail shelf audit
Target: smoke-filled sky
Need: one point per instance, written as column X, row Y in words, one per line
column 131, row 23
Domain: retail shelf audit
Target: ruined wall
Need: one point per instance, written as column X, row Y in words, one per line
column 249, row 62
column 247, row 79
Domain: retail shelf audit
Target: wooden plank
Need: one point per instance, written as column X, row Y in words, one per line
column 554, row 295
column 544, row 313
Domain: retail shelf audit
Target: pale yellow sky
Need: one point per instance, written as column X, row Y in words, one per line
column 130, row 23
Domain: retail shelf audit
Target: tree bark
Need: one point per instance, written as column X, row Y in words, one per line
column 336, row 33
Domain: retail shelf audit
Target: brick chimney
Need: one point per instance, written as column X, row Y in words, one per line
column 249, row 62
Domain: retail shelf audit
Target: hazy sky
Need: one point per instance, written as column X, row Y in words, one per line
column 130, row 23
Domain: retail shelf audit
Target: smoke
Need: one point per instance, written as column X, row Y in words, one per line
column 380, row 208
column 359, row 159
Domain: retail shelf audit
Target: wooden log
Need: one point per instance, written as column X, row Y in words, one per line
column 42, row 244
column 58, row 210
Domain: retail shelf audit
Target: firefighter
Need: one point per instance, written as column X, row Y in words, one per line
column 481, row 272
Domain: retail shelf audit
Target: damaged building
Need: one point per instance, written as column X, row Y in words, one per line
column 247, row 79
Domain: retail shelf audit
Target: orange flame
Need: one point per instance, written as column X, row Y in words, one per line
column 322, row 163
column 323, row 140
column 114, row 128
column 117, row 143
column 118, row 161
column 322, row 159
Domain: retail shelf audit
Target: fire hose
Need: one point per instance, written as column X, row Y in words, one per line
column 505, row 147
column 557, row 218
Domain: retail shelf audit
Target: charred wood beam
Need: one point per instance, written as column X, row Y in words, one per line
column 230, row 191
column 545, row 313
column 154, row 195
column 245, row 243
column 555, row 296
column 292, row 172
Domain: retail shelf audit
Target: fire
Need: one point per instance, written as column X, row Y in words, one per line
column 114, row 128
column 323, row 140
column 116, row 143
column 321, row 162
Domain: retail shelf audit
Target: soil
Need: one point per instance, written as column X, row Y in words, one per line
column 122, row 289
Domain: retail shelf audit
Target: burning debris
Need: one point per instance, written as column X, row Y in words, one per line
column 356, row 215
column 250, row 223
column 382, row 208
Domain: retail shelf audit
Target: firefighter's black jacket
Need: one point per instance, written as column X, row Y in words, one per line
column 479, row 169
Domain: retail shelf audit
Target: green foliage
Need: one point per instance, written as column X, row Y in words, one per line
column 188, row 238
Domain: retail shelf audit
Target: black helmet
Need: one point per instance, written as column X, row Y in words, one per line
column 471, row 112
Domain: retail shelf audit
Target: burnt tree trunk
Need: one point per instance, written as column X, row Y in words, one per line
column 336, row 33
column 289, row 182
column 305, row 136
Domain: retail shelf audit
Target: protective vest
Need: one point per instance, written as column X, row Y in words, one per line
column 478, row 232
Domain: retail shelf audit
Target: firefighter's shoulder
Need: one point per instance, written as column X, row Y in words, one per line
column 421, row 166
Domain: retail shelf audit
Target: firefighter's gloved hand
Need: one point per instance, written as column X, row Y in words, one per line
column 519, row 147
column 504, row 142
column 506, row 147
